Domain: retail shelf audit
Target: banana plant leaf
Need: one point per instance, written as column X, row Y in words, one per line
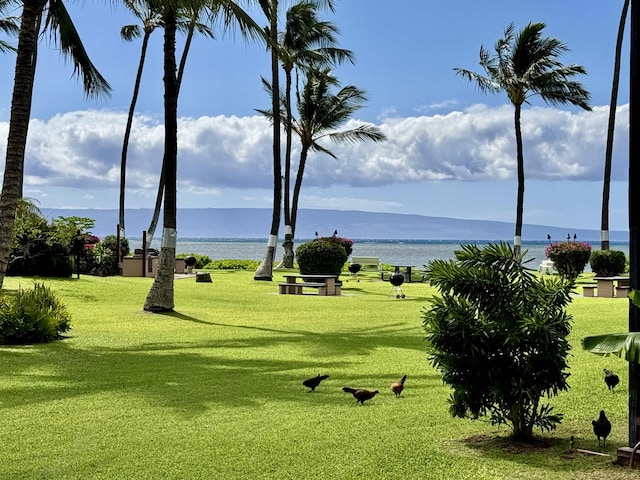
column 624, row 345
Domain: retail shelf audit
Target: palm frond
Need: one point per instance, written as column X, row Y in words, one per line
column 63, row 31
column 128, row 33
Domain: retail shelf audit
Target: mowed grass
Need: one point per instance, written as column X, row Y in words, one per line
column 213, row 391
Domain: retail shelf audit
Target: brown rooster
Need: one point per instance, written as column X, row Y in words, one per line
column 313, row 382
column 397, row 387
column 602, row 427
column 360, row 394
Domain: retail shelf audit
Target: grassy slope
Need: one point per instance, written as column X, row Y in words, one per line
column 214, row 390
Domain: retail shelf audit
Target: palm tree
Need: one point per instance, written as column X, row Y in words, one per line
column 306, row 42
column 58, row 23
column 604, row 222
column 265, row 269
column 160, row 298
column 161, row 295
column 150, row 16
column 321, row 113
column 526, row 64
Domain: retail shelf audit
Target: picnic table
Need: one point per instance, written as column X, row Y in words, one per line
column 611, row 287
column 326, row 284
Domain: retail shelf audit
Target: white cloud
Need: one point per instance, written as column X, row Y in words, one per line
column 83, row 149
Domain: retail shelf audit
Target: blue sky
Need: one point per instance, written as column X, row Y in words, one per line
column 451, row 149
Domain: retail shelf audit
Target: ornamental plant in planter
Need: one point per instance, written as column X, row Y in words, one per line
column 322, row 256
column 569, row 258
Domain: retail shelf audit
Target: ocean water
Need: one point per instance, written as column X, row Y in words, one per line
column 393, row 252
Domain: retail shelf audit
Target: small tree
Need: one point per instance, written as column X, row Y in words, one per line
column 322, row 256
column 498, row 333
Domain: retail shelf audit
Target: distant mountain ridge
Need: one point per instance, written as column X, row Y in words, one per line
column 256, row 222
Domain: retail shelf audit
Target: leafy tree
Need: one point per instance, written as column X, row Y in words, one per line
column 526, row 64
column 498, row 333
column 62, row 31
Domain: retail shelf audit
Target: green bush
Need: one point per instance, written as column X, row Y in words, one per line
column 498, row 333
column 321, row 256
column 345, row 242
column 231, row 264
column 32, row 316
column 569, row 258
column 201, row 260
column 607, row 263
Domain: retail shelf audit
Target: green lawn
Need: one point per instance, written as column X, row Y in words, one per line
column 214, row 390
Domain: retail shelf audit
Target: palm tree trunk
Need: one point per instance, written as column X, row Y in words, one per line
column 604, row 223
column 127, row 131
column 517, row 240
column 265, row 269
column 161, row 295
column 297, row 187
column 18, row 125
column 288, row 255
column 161, row 182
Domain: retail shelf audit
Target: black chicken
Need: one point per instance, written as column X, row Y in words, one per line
column 313, row 382
column 361, row 394
column 397, row 387
column 602, row 428
column 611, row 379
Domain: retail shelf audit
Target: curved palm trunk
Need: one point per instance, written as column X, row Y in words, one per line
column 517, row 239
column 297, row 187
column 604, row 222
column 265, row 269
column 161, row 295
column 127, row 131
column 161, row 182
column 19, row 125
column 288, row 255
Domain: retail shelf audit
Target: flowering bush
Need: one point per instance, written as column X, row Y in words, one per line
column 346, row 243
column 323, row 255
column 569, row 258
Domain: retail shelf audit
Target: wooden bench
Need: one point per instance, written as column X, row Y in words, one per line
column 297, row 288
column 371, row 262
column 589, row 290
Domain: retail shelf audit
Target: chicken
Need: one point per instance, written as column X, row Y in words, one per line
column 313, row 382
column 602, row 428
column 611, row 379
column 397, row 387
column 361, row 394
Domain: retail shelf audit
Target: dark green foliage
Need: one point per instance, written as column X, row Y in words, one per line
column 325, row 256
column 231, row 264
column 201, row 260
column 569, row 258
column 607, row 263
column 345, row 242
column 32, row 316
column 498, row 333
column 104, row 260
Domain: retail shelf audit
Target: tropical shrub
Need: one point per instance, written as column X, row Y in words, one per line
column 345, row 242
column 322, row 256
column 32, row 316
column 607, row 263
column 104, row 259
column 569, row 258
column 232, row 264
column 498, row 334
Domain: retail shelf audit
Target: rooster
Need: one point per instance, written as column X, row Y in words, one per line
column 313, row 382
column 361, row 394
column 611, row 379
column 602, row 428
column 397, row 387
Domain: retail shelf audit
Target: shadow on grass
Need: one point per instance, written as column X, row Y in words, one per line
column 240, row 369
